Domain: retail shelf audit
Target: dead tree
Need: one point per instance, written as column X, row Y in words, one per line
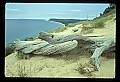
column 56, row 44
column 43, row 47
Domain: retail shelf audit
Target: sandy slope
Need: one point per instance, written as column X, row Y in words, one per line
column 41, row 66
column 63, row 66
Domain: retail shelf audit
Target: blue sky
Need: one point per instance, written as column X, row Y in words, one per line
column 53, row 10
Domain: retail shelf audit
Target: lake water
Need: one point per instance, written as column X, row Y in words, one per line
column 22, row 28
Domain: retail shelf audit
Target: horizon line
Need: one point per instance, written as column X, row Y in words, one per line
column 47, row 19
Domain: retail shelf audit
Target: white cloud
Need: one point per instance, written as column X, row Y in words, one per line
column 42, row 13
column 69, row 10
column 33, row 14
column 51, row 13
column 12, row 9
column 75, row 10
column 46, row 3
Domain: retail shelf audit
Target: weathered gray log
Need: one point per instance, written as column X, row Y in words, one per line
column 98, row 47
column 56, row 44
column 23, row 44
column 54, row 39
column 34, row 47
column 57, row 48
column 83, row 41
column 94, row 59
column 44, row 48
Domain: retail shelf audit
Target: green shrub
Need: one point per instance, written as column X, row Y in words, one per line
column 9, row 49
column 29, row 39
column 21, row 55
column 72, row 25
column 85, row 70
column 87, row 30
column 99, row 24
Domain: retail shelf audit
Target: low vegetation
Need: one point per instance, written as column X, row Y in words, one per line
column 21, row 70
column 85, row 70
column 21, row 55
column 9, row 49
column 97, row 22
column 87, row 30
column 29, row 39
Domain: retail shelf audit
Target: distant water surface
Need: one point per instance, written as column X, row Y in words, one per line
column 22, row 28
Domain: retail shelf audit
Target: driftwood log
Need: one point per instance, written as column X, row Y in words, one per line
column 55, row 39
column 56, row 44
column 43, row 47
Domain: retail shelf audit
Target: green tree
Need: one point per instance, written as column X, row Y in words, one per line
column 112, row 6
column 100, row 14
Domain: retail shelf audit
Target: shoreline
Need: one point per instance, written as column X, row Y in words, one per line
column 55, row 25
column 58, row 23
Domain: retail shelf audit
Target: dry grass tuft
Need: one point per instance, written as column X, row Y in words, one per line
column 86, row 69
column 21, row 55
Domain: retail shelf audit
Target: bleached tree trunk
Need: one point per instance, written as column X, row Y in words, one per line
column 54, row 39
column 94, row 59
column 56, row 44
column 43, row 47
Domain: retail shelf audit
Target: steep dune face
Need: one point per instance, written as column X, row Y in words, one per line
column 63, row 65
column 109, row 31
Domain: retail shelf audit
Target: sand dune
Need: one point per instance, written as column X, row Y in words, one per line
column 62, row 66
